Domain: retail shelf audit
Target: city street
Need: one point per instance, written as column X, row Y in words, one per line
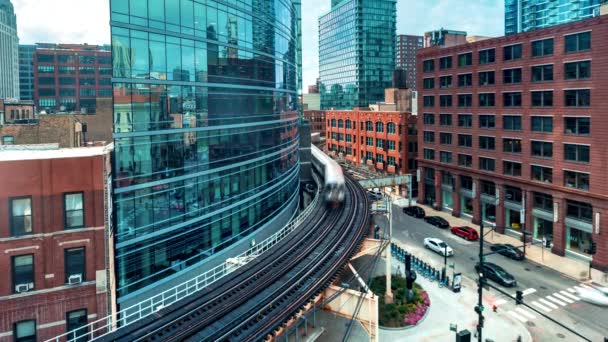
column 546, row 290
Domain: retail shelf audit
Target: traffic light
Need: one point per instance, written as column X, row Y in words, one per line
column 408, row 262
column 519, row 297
column 410, row 279
column 479, row 309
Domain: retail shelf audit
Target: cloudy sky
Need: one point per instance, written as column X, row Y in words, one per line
column 81, row 21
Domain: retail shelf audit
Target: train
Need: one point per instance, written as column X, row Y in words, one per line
column 333, row 177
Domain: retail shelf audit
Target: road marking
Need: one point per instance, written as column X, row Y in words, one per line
column 572, row 289
column 528, row 291
column 548, row 303
column 500, row 302
column 526, row 313
column 565, row 299
column 515, row 315
column 556, row 301
column 578, row 289
column 566, row 294
column 587, row 287
column 542, row 307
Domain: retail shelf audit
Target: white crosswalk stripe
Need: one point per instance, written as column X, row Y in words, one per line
column 515, row 315
column 572, row 289
column 500, row 302
column 540, row 306
column 528, row 291
column 565, row 299
column 586, row 286
column 554, row 300
column 548, row 303
column 566, row 294
column 526, row 313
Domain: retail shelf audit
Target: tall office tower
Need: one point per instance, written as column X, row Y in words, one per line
column 356, row 52
column 528, row 15
column 205, row 131
column 407, row 45
column 26, row 71
column 9, row 51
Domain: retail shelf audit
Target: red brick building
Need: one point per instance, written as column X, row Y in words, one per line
column 385, row 140
column 513, row 132
column 54, row 241
column 317, row 121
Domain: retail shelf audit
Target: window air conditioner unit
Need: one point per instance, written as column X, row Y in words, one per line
column 22, row 288
column 75, row 279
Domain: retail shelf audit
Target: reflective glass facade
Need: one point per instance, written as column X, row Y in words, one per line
column 528, row 15
column 356, row 52
column 205, row 129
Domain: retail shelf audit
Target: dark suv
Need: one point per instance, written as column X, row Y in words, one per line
column 415, row 211
column 437, row 221
column 497, row 274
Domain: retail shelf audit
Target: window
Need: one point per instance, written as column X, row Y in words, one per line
column 369, row 141
column 487, row 143
column 543, row 201
column 380, row 143
column 465, row 100
column 25, row 331
column 465, row 160
column 542, row 47
column 543, row 124
column 542, row 173
column 86, row 70
column 465, row 140
column 510, row 145
column 511, row 52
column 513, row 194
column 445, row 157
column 466, row 182
column 428, row 101
column 86, row 59
column 487, row 100
column 542, row 98
column 577, row 97
column 340, row 123
column 429, row 119
column 577, row 70
column 21, row 216
column 46, row 92
column 511, row 122
column 488, row 188
column 542, row 149
column 46, row 69
column 75, row 264
column 576, row 180
column 511, row 168
column 429, row 136
column 465, row 80
column 487, row 164
column 445, row 119
column 46, row 58
column 67, row 70
column 67, row 81
column 511, row 99
column 349, row 138
column 487, row 121
column 465, row 120
column 445, row 100
column 542, row 73
column 428, row 65
column 87, row 81
column 369, row 126
column 379, row 127
column 391, row 145
column 486, row 78
column 349, row 124
column 445, row 82
column 74, row 210
column 487, row 56
column 445, row 138
column 390, row 127
column 576, row 153
column 578, row 42
column 8, row 140
column 76, row 325
column 445, row 62
column 65, row 59
column 511, row 76
column 23, row 273
column 428, row 83
column 391, row 161
column 46, row 81
column 579, row 210
column 465, row 59
column 429, row 154
column 577, row 125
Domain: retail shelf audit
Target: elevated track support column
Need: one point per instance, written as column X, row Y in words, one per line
column 344, row 305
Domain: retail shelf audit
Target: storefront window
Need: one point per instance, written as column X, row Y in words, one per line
column 489, row 212
column 513, row 194
column 579, row 241
column 467, row 205
column 579, row 211
column 543, row 230
column 448, row 201
column 513, row 219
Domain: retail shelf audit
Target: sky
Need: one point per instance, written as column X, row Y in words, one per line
column 87, row 21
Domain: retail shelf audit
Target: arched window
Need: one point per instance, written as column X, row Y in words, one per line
column 390, row 128
column 348, row 124
column 369, row 126
column 333, row 122
column 340, row 123
column 379, row 127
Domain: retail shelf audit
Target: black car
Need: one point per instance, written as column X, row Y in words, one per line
column 508, row 250
column 415, row 211
column 437, row 221
column 497, row 274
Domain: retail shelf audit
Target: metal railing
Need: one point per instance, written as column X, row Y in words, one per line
column 108, row 324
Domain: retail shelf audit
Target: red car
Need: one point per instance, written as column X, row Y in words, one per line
column 466, row 233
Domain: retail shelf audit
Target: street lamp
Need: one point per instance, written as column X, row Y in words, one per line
column 388, row 297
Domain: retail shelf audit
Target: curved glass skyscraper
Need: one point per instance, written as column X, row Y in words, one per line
column 205, row 132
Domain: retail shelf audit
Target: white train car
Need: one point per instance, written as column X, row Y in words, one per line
column 333, row 178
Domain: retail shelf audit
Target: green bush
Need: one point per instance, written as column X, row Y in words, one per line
column 393, row 315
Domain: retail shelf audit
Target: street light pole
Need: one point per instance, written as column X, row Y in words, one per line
column 479, row 307
column 445, row 263
column 388, row 297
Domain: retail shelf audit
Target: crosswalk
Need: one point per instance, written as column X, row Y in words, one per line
column 546, row 303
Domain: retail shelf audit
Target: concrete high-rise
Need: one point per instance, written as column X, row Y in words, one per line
column 528, row 15
column 356, row 52
column 407, row 46
column 9, row 51
column 206, row 135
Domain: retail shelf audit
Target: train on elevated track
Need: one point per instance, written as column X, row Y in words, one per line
column 333, row 177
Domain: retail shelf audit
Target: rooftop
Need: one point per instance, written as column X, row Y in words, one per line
column 49, row 151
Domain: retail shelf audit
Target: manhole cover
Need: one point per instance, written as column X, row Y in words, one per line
column 531, row 324
column 561, row 335
column 543, row 287
column 527, row 269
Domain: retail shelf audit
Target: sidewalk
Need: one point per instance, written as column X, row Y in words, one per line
column 574, row 269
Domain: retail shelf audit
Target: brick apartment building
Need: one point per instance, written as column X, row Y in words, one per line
column 317, row 121
column 54, row 238
column 406, row 48
column 513, row 131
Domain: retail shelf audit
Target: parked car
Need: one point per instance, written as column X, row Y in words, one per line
column 465, row 233
column 438, row 246
column 508, row 250
column 497, row 274
column 437, row 221
column 414, row 211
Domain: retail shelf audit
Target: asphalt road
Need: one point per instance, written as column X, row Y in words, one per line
column 545, row 290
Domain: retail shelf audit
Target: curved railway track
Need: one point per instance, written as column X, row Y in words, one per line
column 270, row 289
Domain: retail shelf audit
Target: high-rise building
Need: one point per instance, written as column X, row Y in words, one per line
column 9, row 51
column 356, row 52
column 406, row 47
column 528, row 15
column 26, row 71
column 206, row 135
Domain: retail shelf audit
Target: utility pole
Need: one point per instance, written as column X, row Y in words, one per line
column 445, row 263
column 388, row 296
column 409, row 190
column 479, row 307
